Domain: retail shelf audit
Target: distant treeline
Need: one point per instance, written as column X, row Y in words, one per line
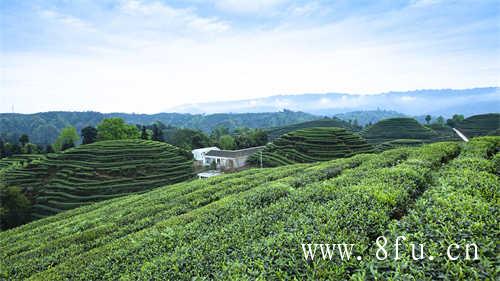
column 43, row 128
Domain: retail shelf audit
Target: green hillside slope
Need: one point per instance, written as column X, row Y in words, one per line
column 274, row 133
column 250, row 225
column 311, row 145
column 480, row 125
column 98, row 171
column 397, row 128
column 20, row 159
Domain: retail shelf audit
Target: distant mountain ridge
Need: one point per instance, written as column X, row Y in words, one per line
column 445, row 102
column 44, row 127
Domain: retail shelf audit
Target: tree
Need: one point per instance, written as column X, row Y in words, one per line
column 116, row 129
column 3, row 153
column 428, row 119
column 157, row 133
column 457, row 118
column 245, row 137
column 49, row 149
column 24, row 139
column 67, row 138
column 15, row 149
column 7, row 149
column 440, row 121
column 218, row 132
column 89, row 135
column 189, row 139
column 227, row 142
column 260, row 137
column 15, row 207
column 144, row 133
column 67, row 144
column 30, row 148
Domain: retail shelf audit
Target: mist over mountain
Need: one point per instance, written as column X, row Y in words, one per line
column 445, row 102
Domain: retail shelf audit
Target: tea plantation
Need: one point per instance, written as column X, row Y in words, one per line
column 311, row 145
column 98, row 171
column 480, row 125
column 250, row 225
column 397, row 128
column 19, row 160
column 274, row 133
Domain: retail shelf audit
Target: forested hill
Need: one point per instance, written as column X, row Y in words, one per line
column 43, row 128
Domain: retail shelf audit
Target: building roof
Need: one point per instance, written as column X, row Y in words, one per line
column 204, row 149
column 233, row 153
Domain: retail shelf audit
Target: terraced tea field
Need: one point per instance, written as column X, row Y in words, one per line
column 274, row 133
column 481, row 125
column 311, row 145
column 98, row 171
column 397, row 128
column 250, row 225
column 19, row 160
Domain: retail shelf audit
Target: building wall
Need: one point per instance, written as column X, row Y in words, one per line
column 228, row 163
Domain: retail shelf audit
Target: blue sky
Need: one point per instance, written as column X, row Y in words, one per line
column 148, row 56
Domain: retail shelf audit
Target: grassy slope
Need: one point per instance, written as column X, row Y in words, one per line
column 397, row 128
column 480, row 125
column 311, row 145
column 250, row 224
column 274, row 133
column 98, row 171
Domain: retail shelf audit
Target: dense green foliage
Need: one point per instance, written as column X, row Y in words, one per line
column 14, row 207
column 274, row 133
column 480, row 125
column 98, row 171
column 397, row 128
column 368, row 117
column 311, row 145
column 116, row 129
column 89, row 135
column 43, row 128
column 462, row 207
column 250, row 225
column 67, row 138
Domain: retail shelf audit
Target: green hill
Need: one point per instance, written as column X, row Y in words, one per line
column 480, row 125
column 98, row 171
column 397, row 128
column 311, row 145
column 251, row 225
column 274, row 133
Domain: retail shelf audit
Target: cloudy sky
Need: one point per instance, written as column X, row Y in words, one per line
column 148, row 56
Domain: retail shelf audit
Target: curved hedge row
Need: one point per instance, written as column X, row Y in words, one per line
column 398, row 143
column 98, row 171
column 480, row 125
column 397, row 128
column 462, row 208
column 274, row 133
column 311, row 145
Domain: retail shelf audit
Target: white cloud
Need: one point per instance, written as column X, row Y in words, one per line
column 245, row 6
column 150, row 56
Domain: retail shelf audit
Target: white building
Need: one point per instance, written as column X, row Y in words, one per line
column 230, row 159
column 199, row 155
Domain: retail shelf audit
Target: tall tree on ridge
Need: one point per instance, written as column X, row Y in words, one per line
column 428, row 119
column 157, row 133
column 24, row 139
column 144, row 133
column 89, row 135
